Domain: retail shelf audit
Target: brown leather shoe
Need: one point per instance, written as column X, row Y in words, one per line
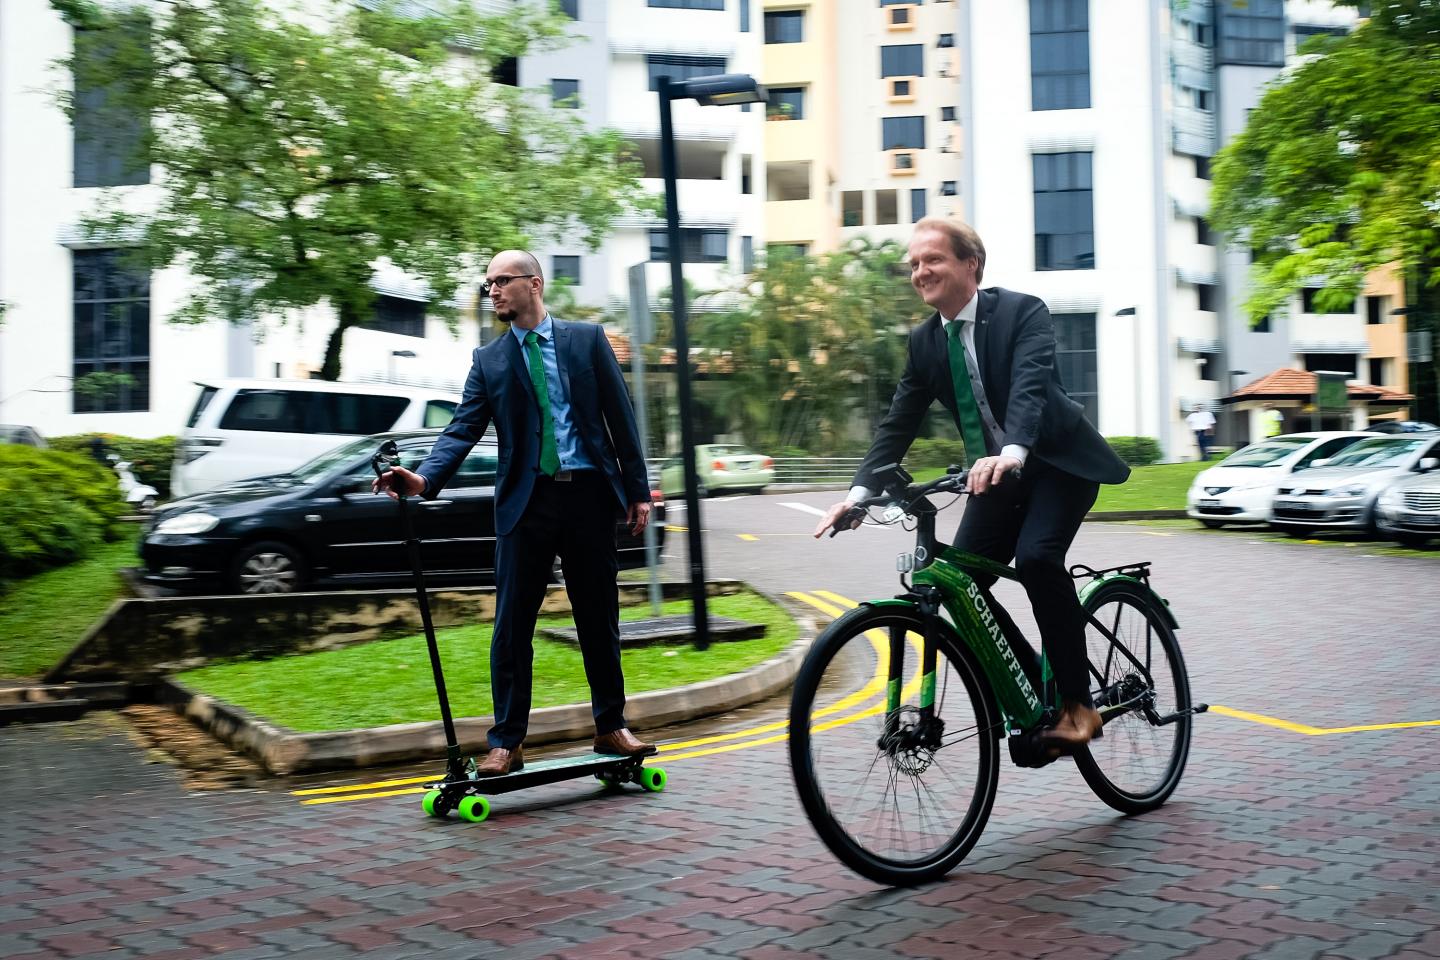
column 623, row 743
column 1078, row 725
column 500, row 761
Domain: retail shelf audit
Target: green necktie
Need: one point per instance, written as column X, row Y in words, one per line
column 971, row 429
column 549, row 456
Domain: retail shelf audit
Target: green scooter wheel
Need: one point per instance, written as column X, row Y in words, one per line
column 652, row 779
column 433, row 804
column 474, row 809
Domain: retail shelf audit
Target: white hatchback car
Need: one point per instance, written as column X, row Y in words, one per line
column 1240, row 488
column 253, row 428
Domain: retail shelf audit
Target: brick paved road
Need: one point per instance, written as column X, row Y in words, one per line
column 1277, row 844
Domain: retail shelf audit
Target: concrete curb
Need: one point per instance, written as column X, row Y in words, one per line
column 1115, row 515
column 283, row 752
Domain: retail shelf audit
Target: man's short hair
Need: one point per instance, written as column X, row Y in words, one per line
column 963, row 240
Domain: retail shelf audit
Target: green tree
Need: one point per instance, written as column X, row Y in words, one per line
column 1338, row 170
column 813, row 344
column 298, row 149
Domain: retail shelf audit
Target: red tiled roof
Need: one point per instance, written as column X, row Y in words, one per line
column 1287, row 382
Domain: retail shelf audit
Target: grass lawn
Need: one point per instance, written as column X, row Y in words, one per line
column 1161, row 486
column 43, row 616
column 389, row 681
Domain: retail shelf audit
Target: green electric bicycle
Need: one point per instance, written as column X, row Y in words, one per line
column 898, row 711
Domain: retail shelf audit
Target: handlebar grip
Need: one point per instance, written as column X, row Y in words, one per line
column 846, row 519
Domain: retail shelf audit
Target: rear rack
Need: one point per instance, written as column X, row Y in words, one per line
column 1140, row 571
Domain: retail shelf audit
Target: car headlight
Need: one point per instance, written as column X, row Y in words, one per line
column 187, row 523
column 1349, row 490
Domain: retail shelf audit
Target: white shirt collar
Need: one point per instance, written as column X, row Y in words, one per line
column 967, row 312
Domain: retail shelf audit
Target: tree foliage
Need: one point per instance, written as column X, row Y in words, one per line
column 814, row 347
column 296, row 149
column 1338, row 170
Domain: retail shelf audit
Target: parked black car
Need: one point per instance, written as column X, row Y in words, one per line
column 321, row 526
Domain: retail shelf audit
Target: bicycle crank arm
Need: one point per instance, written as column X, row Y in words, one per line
column 1160, row 721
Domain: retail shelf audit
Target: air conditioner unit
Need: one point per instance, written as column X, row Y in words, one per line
column 902, row 89
column 900, row 16
column 903, row 163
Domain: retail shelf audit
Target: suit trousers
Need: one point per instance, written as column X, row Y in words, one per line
column 1034, row 522
column 569, row 520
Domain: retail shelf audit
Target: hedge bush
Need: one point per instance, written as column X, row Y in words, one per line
column 934, row 452
column 55, row 507
column 150, row 460
column 1136, row 451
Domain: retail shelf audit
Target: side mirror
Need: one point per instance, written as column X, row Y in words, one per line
column 1429, row 463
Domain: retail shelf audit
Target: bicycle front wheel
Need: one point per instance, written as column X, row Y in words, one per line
column 898, row 795
column 1137, row 764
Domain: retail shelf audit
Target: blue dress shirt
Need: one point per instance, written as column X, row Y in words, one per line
column 567, row 439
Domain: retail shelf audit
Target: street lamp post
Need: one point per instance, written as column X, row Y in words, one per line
column 719, row 90
column 1134, row 355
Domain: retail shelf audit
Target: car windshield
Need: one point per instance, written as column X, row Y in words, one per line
column 331, row 459
column 1378, row 452
column 1268, row 453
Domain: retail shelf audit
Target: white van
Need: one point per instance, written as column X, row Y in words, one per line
column 252, row 428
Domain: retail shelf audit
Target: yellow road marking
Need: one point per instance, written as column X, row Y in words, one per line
column 671, row 528
column 1310, row 731
column 747, row 536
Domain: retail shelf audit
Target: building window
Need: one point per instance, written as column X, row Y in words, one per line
column 949, row 188
column 565, row 93
column 747, row 180
column 1207, row 296
column 1251, row 33
column 1201, row 35
column 1202, row 168
column 681, row 68
column 947, row 113
column 111, row 333
column 1203, row 234
column 398, row 315
column 900, row 88
column 1308, row 304
column 1059, row 54
column 785, row 251
column 902, row 60
column 109, row 139
column 898, row 17
column 689, row 4
column 696, row 245
column 917, row 204
column 785, row 26
column 1377, row 372
column 902, row 133
column 1374, row 311
column 747, row 254
column 1262, row 325
column 852, row 208
column 786, row 102
column 1075, row 360
column 570, row 8
column 1197, row 98
column 566, row 268
column 887, row 207
column 946, row 40
column 1209, row 369
column 1064, row 213
column 506, row 72
column 744, row 16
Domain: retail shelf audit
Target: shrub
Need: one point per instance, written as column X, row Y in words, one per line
column 150, row 459
column 54, row 508
column 1136, row 451
column 935, row 452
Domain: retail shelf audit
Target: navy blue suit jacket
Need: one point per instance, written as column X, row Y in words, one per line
column 499, row 390
column 1015, row 350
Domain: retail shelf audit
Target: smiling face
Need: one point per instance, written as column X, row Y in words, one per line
column 942, row 279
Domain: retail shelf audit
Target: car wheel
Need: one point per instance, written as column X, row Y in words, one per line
column 1413, row 542
column 1212, row 524
column 1298, row 533
column 267, row 567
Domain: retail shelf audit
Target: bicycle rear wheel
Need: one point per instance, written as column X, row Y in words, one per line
column 896, row 797
column 1137, row 764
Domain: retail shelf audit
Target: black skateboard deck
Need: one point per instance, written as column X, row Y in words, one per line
column 467, row 797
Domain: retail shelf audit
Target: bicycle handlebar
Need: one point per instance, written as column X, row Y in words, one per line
column 948, row 483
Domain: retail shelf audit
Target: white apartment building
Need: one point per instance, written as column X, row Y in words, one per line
column 1089, row 128
column 609, row 75
column 74, row 307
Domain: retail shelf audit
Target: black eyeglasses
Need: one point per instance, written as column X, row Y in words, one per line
column 500, row 281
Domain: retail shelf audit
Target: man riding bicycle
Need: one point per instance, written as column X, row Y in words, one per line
column 988, row 356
